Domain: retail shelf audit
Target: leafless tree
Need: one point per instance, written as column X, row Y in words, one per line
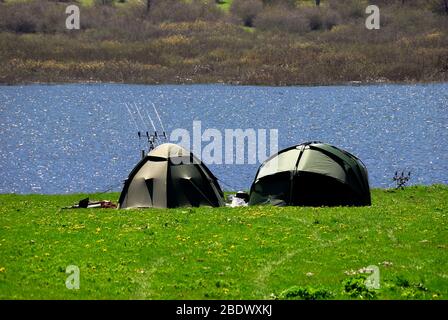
column 440, row 6
column 105, row 2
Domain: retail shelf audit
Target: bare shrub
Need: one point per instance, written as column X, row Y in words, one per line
column 104, row 2
column 439, row 6
column 284, row 3
column 315, row 18
column 295, row 20
column 180, row 11
column 279, row 18
column 246, row 10
column 409, row 20
column 321, row 19
column 109, row 23
column 97, row 17
column 331, row 19
column 37, row 16
column 349, row 9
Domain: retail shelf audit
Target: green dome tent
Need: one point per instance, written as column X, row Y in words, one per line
column 311, row 174
column 169, row 177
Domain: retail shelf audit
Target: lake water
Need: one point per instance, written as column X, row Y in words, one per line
column 80, row 137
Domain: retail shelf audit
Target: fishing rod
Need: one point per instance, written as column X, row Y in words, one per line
column 152, row 139
column 160, row 120
column 149, row 137
column 140, row 115
column 136, row 127
column 132, row 117
column 150, row 119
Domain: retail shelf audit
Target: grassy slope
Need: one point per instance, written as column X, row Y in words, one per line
column 120, row 46
column 243, row 253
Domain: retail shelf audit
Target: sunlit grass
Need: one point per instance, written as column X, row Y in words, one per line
column 86, row 3
column 224, row 253
column 225, row 5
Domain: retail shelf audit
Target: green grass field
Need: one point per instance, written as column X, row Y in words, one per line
column 224, row 253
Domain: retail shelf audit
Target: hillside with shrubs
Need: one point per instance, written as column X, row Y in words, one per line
column 261, row 42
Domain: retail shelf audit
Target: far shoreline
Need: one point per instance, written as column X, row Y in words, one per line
column 223, row 83
column 117, row 192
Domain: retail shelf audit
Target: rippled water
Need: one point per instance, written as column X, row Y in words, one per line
column 80, row 138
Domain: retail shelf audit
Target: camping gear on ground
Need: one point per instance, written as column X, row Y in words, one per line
column 169, row 176
column 87, row 204
column 240, row 199
column 311, row 174
column 242, row 195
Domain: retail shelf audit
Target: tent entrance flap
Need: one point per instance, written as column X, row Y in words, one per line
column 138, row 193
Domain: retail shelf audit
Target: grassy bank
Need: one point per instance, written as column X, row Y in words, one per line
column 223, row 253
column 196, row 42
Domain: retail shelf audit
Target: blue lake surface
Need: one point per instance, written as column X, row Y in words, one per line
column 81, row 138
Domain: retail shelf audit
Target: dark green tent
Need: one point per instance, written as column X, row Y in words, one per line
column 169, row 177
column 311, row 174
